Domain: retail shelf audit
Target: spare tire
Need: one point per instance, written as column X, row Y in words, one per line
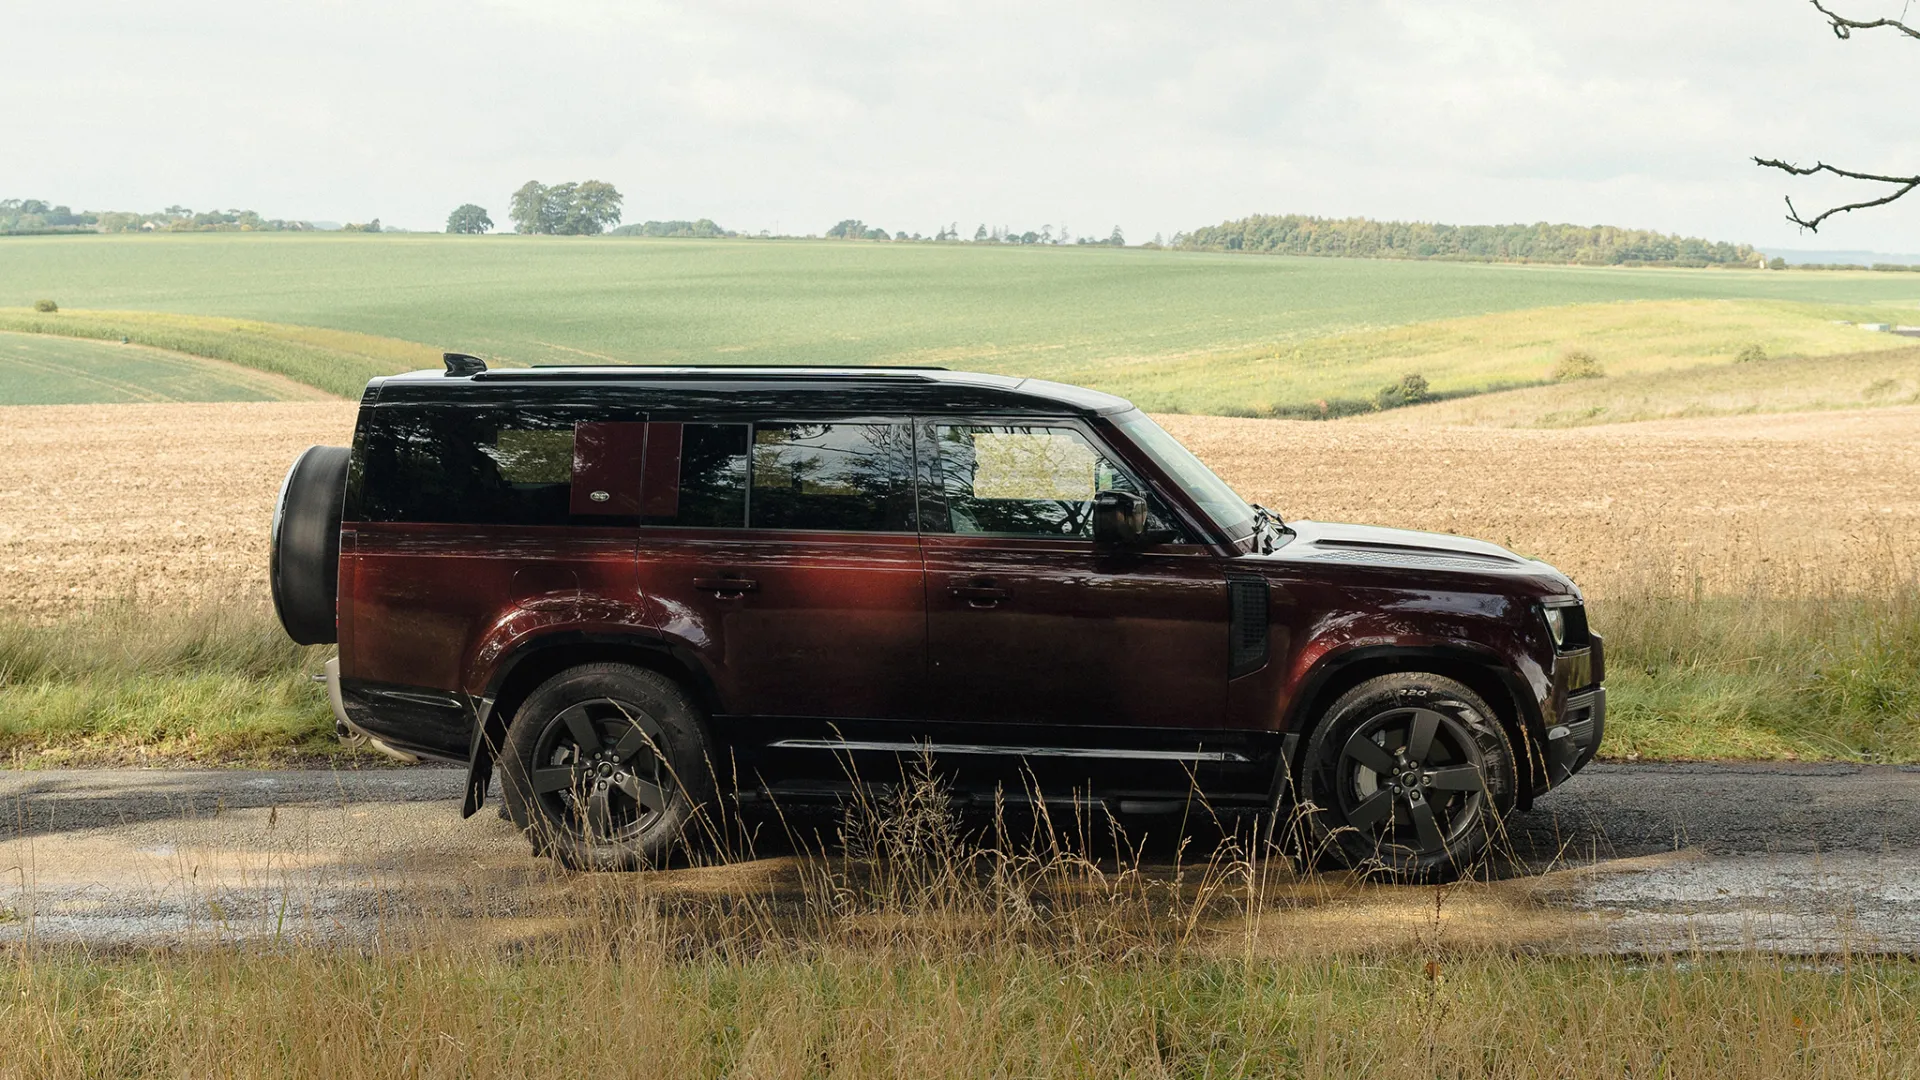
column 305, row 570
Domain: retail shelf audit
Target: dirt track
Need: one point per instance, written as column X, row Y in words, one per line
column 1797, row 858
column 171, row 502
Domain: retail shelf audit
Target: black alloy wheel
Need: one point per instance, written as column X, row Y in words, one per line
column 599, row 769
column 605, row 767
column 1410, row 774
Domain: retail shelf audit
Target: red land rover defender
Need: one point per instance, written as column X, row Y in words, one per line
column 637, row 592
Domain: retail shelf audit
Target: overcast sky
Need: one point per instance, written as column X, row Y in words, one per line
column 1157, row 117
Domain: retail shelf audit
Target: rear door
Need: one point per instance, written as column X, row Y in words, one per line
column 784, row 552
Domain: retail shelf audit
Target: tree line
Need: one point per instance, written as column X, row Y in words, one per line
column 856, row 229
column 1597, row 245
column 38, row 216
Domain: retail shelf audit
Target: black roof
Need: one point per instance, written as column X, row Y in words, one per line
column 726, row 388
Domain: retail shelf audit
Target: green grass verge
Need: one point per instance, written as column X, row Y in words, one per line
column 337, row 362
column 41, row 369
column 845, row 1012
column 119, row 685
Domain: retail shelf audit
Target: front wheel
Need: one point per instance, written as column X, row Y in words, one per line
column 606, row 767
column 1408, row 774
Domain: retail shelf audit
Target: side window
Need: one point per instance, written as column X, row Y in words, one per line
column 1023, row 480
column 467, row 465
column 696, row 475
column 832, row 477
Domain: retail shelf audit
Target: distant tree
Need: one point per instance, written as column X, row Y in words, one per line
column 848, row 229
column 529, row 206
column 586, row 208
column 589, row 208
column 469, row 219
column 553, row 212
column 1029, row 237
column 979, row 234
column 1117, row 238
column 1776, row 263
column 902, row 235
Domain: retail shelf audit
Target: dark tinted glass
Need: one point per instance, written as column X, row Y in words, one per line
column 840, row 477
column 708, row 486
column 467, row 465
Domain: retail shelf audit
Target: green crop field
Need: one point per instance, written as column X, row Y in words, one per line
column 1175, row 330
column 38, row 369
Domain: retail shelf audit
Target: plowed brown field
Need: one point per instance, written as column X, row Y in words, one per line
column 171, row 502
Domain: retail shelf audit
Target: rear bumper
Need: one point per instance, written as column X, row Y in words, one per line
column 344, row 726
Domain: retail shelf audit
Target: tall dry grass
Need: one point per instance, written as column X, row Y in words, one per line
column 1799, row 661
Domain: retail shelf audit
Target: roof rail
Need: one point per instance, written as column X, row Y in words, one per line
column 459, row 364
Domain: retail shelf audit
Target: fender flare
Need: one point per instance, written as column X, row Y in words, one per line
column 489, row 726
column 1296, row 721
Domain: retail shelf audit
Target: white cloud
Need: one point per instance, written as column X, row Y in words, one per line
column 1158, row 117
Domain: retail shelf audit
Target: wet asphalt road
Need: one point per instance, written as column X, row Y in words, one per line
column 1800, row 858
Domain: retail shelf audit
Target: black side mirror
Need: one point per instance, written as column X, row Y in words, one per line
column 1119, row 518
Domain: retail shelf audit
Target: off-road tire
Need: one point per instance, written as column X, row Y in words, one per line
column 1465, row 778
column 674, row 758
column 304, row 545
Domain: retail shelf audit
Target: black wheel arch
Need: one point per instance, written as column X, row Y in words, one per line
column 524, row 669
column 1480, row 670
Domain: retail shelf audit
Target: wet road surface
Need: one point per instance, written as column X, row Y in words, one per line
column 1796, row 858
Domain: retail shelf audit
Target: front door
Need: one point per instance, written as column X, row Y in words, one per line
column 1030, row 624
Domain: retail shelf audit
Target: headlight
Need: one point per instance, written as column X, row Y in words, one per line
column 1557, row 626
column 1567, row 624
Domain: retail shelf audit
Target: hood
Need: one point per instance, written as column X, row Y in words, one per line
column 1371, row 545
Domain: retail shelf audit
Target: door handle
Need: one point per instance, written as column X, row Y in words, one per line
column 980, row 596
column 726, row 586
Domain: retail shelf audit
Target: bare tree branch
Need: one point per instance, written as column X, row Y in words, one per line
column 1907, row 183
column 1844, row 27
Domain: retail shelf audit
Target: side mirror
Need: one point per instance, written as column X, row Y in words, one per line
column 1119, row 518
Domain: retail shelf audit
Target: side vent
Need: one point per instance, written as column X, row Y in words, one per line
column 1246, row 625
column 459, row 363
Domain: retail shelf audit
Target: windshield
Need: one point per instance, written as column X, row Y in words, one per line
column 1229, row 511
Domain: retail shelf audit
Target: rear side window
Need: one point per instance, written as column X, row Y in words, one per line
column 466, row 465
column 696, row 475
column 832, row 477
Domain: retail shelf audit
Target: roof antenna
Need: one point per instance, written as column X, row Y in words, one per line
column 459, row 363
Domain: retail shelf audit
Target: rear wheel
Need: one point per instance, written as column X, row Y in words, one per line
column 1408, row 774
column 605, row 767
